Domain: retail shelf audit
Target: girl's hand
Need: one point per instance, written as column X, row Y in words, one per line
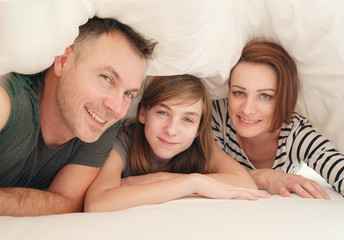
column 148, row 178
column 284, row 184
column 211, row 188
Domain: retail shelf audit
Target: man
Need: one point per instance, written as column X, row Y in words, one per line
column 57, row 127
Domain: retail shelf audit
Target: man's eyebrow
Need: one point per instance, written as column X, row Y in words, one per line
column 113, row 72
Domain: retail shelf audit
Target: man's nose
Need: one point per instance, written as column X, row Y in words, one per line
column 115, row 104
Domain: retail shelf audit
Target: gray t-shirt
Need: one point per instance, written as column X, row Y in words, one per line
column 25, row 160
column 121, row 146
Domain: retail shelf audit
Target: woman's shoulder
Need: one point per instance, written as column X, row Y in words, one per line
column 298, row 125
column 220, row 103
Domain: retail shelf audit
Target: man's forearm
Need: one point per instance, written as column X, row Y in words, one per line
column 33, row 202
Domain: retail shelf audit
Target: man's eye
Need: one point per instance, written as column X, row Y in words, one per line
column 106, row 78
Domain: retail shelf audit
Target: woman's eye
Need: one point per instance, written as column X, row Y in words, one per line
column 238, row 93
column 266, row 96
column 129, row 95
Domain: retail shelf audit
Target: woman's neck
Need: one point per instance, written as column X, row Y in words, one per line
column 261, row 150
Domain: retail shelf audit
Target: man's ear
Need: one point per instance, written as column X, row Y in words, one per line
column 60, row 61
column 142, row 115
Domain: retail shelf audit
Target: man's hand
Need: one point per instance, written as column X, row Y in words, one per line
column 279, row 183
column 65, row 194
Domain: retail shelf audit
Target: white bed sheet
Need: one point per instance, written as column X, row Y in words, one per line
column 196, row 218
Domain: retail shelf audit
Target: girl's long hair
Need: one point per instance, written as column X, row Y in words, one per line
column 187, row 89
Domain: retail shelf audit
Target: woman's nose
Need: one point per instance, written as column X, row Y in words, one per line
column 249, row 106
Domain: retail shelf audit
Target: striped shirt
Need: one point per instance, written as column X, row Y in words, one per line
column 298, row 143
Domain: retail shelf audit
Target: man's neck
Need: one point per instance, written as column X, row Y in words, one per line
column 54, row 130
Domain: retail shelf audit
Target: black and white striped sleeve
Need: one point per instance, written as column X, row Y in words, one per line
column 318, row 153
column 218, row 123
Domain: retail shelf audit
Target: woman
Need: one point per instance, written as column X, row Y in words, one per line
column 258, row 127
column 170, row 137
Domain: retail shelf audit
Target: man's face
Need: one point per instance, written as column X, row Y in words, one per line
column 96, row 91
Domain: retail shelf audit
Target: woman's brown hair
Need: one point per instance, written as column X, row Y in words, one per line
column 287, row 79
column 187, row 89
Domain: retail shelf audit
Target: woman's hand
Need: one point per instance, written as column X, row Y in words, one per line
column 284, row 184
column 212, row 188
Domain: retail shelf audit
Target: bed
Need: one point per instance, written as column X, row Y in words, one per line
column 204, row 38
column 194, row 217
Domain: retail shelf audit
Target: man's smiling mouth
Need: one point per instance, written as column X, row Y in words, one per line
column 95, row 116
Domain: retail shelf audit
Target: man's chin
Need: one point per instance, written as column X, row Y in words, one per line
column 89, row 138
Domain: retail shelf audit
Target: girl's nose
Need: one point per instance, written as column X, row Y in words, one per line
column 171, row 127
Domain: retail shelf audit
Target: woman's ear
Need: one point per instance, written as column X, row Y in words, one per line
column 142, row 115
column 60, row 61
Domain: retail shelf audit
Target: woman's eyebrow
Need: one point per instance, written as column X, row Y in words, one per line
column 266, row 89
column 237, row 86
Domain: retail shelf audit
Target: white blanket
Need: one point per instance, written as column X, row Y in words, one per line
column 200, row 37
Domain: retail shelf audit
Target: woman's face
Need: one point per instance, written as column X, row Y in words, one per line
column 252, row 98
column 171, row 127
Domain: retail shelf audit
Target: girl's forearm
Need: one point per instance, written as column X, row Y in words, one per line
column 123, row 197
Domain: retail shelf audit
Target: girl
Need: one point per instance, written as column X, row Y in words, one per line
column 258, row 127
column 171, row 135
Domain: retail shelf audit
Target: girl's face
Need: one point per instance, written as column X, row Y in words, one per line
column 252, row 98
column 171, row 127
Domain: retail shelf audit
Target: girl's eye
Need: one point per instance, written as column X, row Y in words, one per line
column 162, row 113
column 188, row 120
column 129, row 95
column 266, row 96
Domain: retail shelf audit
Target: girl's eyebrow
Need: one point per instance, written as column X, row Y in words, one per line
column 187, row 113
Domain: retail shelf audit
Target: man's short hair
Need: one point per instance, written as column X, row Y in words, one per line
column 95, row 27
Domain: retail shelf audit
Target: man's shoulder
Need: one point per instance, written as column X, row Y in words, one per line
column 5, row 109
